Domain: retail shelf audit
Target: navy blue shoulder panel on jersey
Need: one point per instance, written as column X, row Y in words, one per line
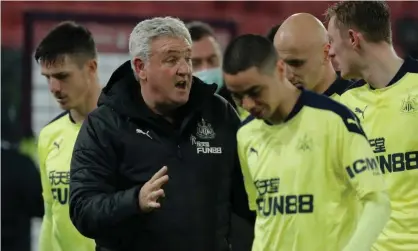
column 338, row 87
column 351, row 121
column 356, row 84
column 58, row 117
column 409, row 65
column 247, row 120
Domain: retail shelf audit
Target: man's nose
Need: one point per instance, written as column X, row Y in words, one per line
column 290, row 73
column 54, row 85
column 185, row 68
column 247, row 103
column 331, row 52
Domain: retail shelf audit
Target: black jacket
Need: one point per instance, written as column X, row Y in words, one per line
column 122, row 144
column 21, row 198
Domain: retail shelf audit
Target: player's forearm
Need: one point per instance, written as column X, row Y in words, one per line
column 45, row 235
column 375, row 215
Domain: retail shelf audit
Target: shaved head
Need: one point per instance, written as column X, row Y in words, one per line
column 301, row 31
column 302, row 43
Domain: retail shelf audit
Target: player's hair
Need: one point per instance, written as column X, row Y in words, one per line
column 272, row 32
column 148, row 30
column 372, row 18
column 248, row 51
column 67, row 38
column 199, row 30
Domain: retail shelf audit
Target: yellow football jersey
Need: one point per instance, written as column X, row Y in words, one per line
column 55, row 147
column 389, row 117
column 304, row 177
column 337, row 88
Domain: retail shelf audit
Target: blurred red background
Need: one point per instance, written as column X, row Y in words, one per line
column 250, row 17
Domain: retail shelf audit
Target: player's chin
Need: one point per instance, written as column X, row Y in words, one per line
column 345, row 74
column 65, row 105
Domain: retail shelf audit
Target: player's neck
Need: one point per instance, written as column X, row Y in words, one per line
column 327, row 80
column 381, row 65
column 79, row 113
column 286, row 105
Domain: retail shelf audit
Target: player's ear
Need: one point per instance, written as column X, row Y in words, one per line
column 354, row 37
column 139, row 68
column 281, row 69
column 327, row 47
column 92, row 66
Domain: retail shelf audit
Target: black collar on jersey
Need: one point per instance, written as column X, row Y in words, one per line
column 338, row 86
column 295, row 110
column 62, row 115
column 409, row 65
column 71, row 118
column 297, row 107
column 122, row 94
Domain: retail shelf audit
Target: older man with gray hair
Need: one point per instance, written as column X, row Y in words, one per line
column 154, row 166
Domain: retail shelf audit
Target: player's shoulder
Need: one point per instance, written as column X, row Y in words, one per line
column 339, row 86
column 410, row 65
column 341, row 114
column 55, row 124
column 247, row 120
column 58, row 118
column 355, row 86
column 247, row 127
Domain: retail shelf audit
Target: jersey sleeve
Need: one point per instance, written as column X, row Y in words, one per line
column 248, row 181
column 356, row 158
column 45, row 241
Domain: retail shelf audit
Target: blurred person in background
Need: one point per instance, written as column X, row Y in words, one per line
column 68, row 59
column 271, row 33
column 207, row 59
column 206, row 51
column 299, row 152
column 302, row 43
column 21, row 196
column 386, row 101
column 155, row 165
column 407, row 36
column 28, row 145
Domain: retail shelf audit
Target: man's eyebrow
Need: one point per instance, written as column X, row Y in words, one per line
column 55, row 74
column 178, row 51
column 298, row 60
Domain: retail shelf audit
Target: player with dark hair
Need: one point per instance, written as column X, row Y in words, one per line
column 206, row 51
column 68, row 60
column 302, row 43
column 207, row 58
column 309, row 171
column 272, row 32
column 387, row 103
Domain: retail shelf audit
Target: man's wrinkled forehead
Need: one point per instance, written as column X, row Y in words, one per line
column 171, row 45
column 181, row 51
column 293, row 53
